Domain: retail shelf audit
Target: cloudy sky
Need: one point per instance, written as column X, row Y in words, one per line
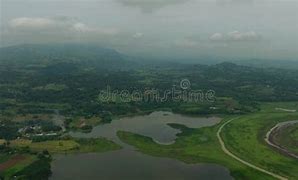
column 181, row 29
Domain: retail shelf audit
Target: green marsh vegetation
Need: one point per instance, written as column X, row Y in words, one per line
column 244, row 137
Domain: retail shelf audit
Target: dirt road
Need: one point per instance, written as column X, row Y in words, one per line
column 269, row 138
column 223, row 147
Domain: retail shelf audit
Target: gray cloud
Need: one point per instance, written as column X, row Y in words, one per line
column 55, row 25
column 150, row 5
column 54, row 29
column 234, row 2
column 186, row 43
column 138, row 35
column 173, row 26
column 236, row 36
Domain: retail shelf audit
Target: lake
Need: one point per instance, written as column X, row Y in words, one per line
column 129, row 164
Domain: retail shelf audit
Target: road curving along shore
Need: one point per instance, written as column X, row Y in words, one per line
column 223, row 147
column 269, row 138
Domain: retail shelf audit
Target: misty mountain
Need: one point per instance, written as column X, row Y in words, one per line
column 41, row 55
column 266, row 63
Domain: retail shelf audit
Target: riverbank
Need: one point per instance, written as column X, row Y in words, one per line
column 67, row 145
column 23, row 158
column 164, row 127
column 193, row 146
column 243, row 137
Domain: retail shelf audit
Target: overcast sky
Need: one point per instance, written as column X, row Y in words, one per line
column 159, row 28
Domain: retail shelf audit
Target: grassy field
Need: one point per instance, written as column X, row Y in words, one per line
column 56, row 146
column 287, row 137
column 15, row 166
column 294, row 132
column 2, row 141
column 244, row 137
column 193, row 146
column 19, row 111
column 4, row 157
column 31, row 165
column 79, row 122
column 68, row 146
column 96, row 145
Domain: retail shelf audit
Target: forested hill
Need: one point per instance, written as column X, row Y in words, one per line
column 41, row 55
column 75, row 74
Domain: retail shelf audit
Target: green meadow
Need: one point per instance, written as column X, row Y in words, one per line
column 244, row 137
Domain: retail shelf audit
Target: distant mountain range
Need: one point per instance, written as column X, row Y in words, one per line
column 92, row 56
column 76, row 54
column 282, row 64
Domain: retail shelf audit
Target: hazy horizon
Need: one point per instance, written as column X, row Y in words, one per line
column 179, row 29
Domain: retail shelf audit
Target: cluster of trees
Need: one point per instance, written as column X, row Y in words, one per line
column 8, row 130
column 84, row 80
column 39, row 169
column 244, row 84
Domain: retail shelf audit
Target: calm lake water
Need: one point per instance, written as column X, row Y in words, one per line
column 128, row 164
